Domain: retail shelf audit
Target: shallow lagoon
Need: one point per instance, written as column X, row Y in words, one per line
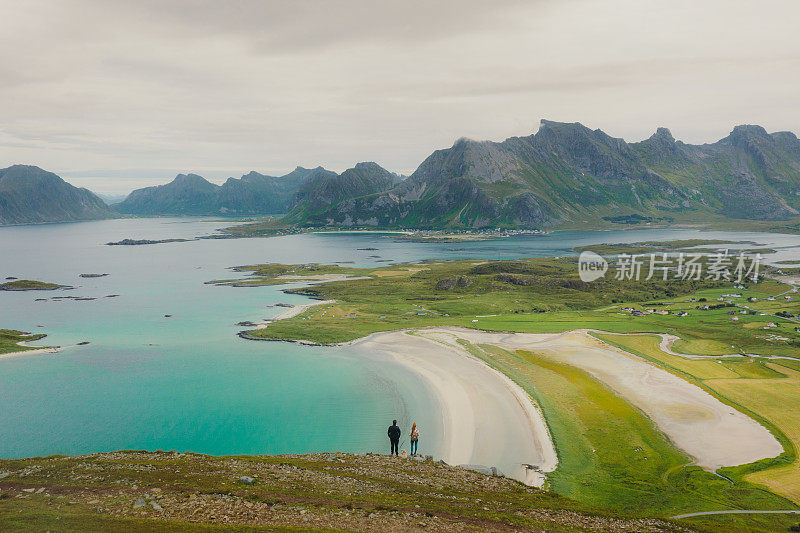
column 186, row 382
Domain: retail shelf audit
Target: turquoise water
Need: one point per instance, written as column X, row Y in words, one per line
column 187, row 382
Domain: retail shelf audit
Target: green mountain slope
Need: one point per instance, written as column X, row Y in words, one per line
column 30, row 195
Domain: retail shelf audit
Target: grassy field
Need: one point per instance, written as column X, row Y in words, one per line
column 612, row 456
column 314, row 492
column 9, row 339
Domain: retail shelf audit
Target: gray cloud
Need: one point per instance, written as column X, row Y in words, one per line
column 94, row 88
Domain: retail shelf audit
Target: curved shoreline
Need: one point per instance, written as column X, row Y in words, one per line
column 487, row 419
column 476, row 402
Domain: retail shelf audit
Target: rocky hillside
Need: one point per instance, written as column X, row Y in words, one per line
column 570, row 173
column 748, row 174
column 256, row 194
column 30, row 195
column 165, row 491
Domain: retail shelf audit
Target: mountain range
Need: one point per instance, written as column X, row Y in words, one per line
column 257, row 194
column 565, row 173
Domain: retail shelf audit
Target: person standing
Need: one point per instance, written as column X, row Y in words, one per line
column 414, row 437
column 394, row 437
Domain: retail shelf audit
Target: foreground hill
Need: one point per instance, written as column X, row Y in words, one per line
column 568, row 173
column 165, row 491
column 30, row 195
column 257, row 194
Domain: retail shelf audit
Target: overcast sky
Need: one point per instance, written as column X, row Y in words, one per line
column 115, row 95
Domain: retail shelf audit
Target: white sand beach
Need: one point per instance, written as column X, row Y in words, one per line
column 486, row 418
column 712, row 433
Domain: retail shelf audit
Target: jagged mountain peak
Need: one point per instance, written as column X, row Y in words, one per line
column 546, row 124
column 750, row 130
column 747, row 134
column 299, row 168
column 663, row 134
column 254, row 174
column 661, row 140
column 571, row 133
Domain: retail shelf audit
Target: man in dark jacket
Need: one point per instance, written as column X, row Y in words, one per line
column 394, row 437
